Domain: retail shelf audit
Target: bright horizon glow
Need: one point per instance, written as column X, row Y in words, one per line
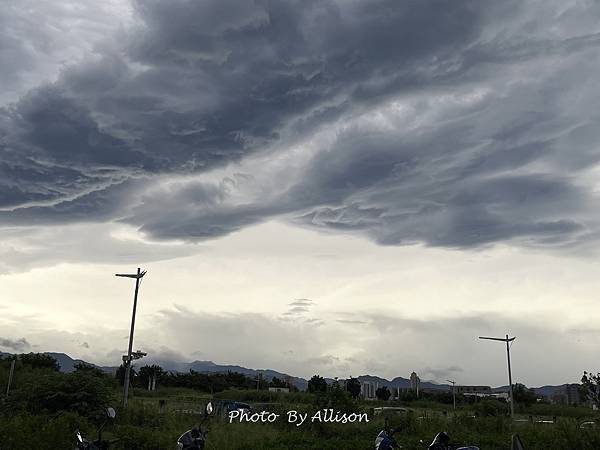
column 262, row 269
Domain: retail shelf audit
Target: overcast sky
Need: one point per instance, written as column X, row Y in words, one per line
column 333, row 187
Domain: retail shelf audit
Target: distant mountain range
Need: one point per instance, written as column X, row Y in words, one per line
column 67, row 364
column 211, row 367
column 402, row 383
column 545, row 391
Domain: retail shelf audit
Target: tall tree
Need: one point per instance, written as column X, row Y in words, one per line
column 121, row 375
column 39, row 361
column 317, row 384
column 590, row 387
column 523, row 395
column 276, row 382
column 88, row 368
column 147, row 373
column 54, row 392
column 383, row 393
column 353, row 386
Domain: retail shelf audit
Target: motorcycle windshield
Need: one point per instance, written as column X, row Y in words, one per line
column 441, row 438
column 188, row 440
column 384, row 442
column 185, row 438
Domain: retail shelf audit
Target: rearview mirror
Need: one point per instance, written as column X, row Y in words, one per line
column 110, row 412
column 209, row 408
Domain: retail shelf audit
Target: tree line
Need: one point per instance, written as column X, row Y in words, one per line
column 38, row 383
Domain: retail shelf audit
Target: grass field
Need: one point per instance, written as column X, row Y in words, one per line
column 142, row 427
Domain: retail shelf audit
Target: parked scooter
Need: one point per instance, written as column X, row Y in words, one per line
column 441, row 441
column 385, row 440
column 99, row 443
column 195, row 438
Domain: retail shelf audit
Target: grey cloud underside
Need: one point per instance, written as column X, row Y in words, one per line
column 22, row 249
column 388, row 344
column 14, row 344
column 451, row 124
column 441, row 373
column 37, row 38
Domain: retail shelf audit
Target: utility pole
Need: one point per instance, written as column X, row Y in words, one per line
column 508, row 341
column 138, row 277
column 453, row 393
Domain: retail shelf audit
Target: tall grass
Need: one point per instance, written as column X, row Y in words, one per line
column 142, row 427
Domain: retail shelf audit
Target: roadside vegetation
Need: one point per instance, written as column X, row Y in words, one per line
column 44, row 408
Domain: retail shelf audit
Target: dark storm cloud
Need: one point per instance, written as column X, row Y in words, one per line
column 37, row 38
column 101, row 204
column 453, row 124
column 221, row 77
column 219, row 80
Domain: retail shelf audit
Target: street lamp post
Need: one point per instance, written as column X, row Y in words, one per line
column 138, row 277
column 453, row 393
column 508, row 341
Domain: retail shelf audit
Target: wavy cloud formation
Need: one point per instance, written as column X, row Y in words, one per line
column 450, row 124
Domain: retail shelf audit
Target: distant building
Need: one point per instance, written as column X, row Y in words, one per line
column 415, row 383
column 279, row 389
column 402, row 391
column 499, row 395
column 573, row 394
column 368, row 389
column 473, row 390
column 567, row 394
column 480, row 392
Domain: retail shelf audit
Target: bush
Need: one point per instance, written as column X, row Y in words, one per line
column 490, row 408
column 80, row 392
column 336, row 398
column 26, row 431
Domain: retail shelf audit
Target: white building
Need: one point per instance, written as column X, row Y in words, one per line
column 415, row 383
column 367, row 390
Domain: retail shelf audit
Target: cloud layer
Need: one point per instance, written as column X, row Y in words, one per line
column 454, row 125
column 132, row 131
column 388, row 345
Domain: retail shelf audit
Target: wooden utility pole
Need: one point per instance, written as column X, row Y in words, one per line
column 508, row 341
column 453, row 392
column 138, row 277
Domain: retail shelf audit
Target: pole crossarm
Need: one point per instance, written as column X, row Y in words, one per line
column 498, row 339
column 131, row 275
